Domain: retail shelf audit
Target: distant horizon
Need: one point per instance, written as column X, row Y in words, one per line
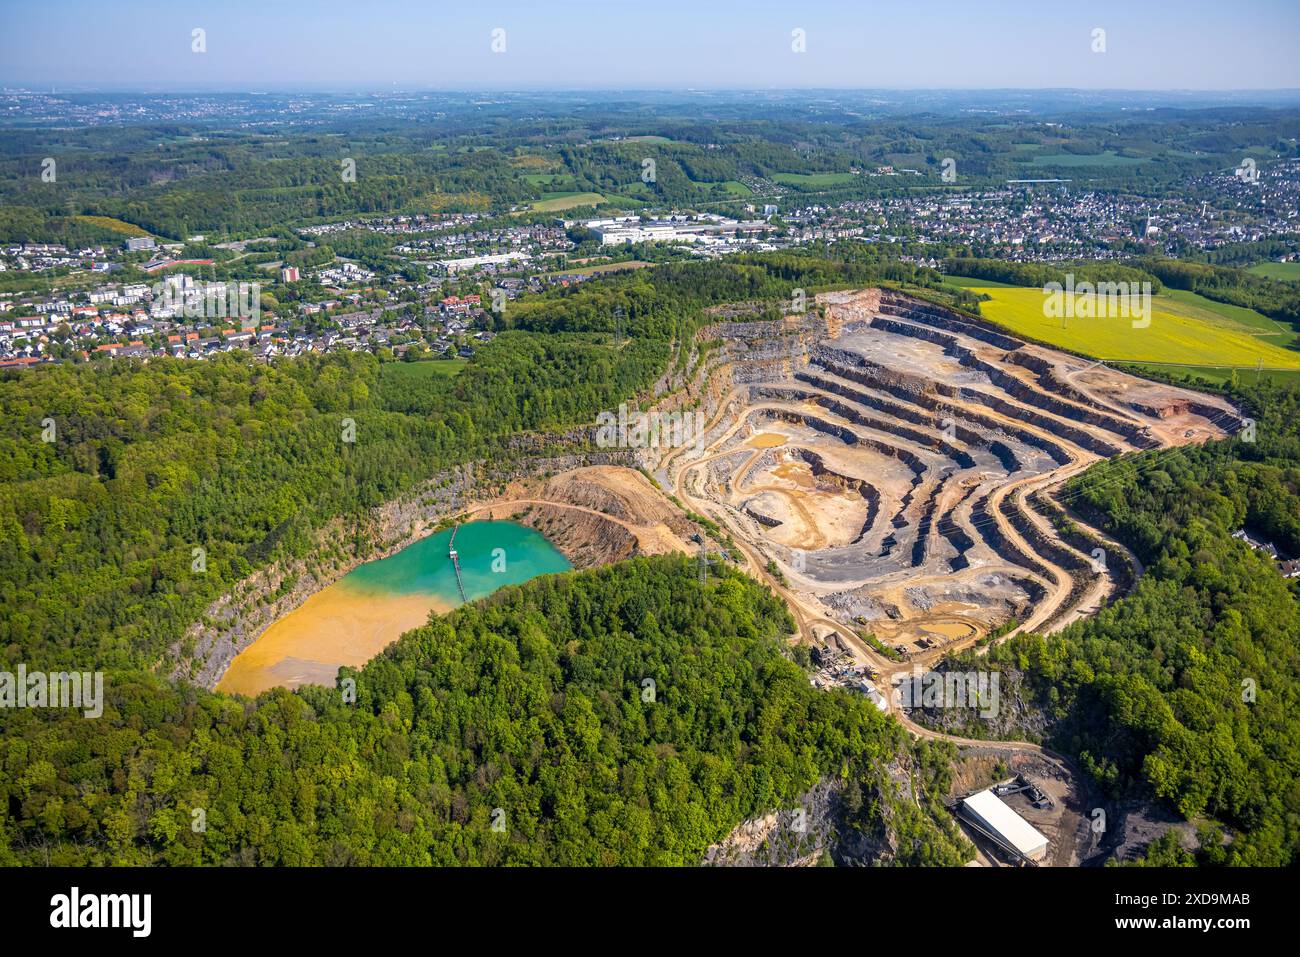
column 594, row 45
column 56, row 88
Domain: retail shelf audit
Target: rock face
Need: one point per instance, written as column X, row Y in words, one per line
column 585, row 540
column 797, row 837
column 817, row 830
column 597, row 514
column 767, row 509
column 920, row 450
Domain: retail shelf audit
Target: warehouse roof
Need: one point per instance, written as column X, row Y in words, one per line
column 1006, row 823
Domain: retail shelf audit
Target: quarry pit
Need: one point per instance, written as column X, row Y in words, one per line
column 895, row 469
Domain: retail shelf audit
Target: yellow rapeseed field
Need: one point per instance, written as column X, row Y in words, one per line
column 1173, row 334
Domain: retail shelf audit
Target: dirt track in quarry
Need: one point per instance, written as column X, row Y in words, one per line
column 902, row 466
column 595, row 514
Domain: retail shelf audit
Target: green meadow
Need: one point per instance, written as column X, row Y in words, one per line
column 1286, row 272
column 813, row 179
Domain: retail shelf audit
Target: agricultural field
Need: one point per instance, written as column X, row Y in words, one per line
column 424, row 369
column 534, row 162
column 600, row 268
column 1238, row 317
column 813, row 179
column 552, row 202
column 113, row 225
column 1108, row 158
column 472, row 200
column 733, row 186
column 973, row 282
column 1218, row 375
column 554, row 181
column 1182, row 332
column 1286, row 272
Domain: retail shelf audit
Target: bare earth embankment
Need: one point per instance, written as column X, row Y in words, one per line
column 902, row 465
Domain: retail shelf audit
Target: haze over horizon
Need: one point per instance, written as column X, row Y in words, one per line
column 587, row 45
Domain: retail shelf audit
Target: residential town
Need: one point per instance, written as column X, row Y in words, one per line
column 190, row 319
column 419, row 294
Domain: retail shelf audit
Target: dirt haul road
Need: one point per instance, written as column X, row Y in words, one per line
column 937, row 431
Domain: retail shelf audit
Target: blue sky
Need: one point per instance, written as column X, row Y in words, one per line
column 650, row 44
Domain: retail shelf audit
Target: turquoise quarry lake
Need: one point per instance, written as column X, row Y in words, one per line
column 351, row 621
column 423, row 567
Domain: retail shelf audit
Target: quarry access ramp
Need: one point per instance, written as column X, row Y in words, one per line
column 904, row 469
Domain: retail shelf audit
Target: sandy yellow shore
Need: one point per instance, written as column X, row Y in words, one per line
column 334, row 627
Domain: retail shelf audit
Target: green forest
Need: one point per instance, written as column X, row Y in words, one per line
column 243, row 460
column 175, row 179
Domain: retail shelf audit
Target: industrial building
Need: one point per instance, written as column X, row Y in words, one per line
column 678, row 229
column 1003, row 826
column 451, row 267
